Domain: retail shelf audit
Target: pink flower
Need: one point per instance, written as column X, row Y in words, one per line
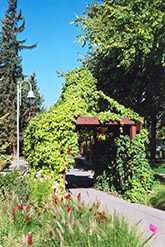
column 153, row 228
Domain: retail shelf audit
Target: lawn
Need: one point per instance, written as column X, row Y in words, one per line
column 160, row 169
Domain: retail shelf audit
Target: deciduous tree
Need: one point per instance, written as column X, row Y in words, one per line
column 125, row 40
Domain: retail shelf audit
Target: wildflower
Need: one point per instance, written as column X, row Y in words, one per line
column 91, row 209
column 78, row 209
column 56, row 185
column 38, row 173
column 27, row 198
column 27, row 217
column 62, row 199
column 68, row 210
column 68, row 197
column 13, row 211
column 30, row 240
column 79, row 196
column 55, row 200
column 39, row 214
column 20, row 207
column 54, row 217
column 153, row 228
column 41, row 180
column 4, row 211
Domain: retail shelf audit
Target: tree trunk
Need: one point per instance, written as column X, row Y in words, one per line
column 14, row 150
column 153, row 138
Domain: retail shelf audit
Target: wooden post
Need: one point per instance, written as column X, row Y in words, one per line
column 132, row 132
column 64, row 177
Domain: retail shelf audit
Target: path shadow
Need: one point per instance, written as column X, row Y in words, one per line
column 75, row 181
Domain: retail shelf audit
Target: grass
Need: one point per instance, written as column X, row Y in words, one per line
column 160, row 169
column 63, row 222
column 157, row 197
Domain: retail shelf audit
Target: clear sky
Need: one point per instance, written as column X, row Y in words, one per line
column 48, row 24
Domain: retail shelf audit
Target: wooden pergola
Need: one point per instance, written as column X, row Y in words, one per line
column 112, row 126
column 94, row 122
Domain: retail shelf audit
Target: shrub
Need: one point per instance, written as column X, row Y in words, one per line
column 157, row 197
column 125, row 169
column 7, row 180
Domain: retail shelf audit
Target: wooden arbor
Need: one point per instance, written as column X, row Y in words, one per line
column 93, row 122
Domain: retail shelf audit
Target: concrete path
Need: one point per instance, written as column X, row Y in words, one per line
column 81, row 178
column 135, row 212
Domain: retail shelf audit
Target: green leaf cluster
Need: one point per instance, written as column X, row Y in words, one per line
column 51, row 139
column 127, row 170
column 125, row 41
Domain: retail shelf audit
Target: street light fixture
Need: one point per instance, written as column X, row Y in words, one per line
column 31, row 98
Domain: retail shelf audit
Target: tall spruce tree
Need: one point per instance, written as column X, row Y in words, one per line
column 10, row 73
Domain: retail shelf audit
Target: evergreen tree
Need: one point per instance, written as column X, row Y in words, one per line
column 10, row 73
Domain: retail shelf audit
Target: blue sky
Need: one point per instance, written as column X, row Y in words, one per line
column 48, row 24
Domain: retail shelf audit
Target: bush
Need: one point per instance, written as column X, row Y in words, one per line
column 8, row 180
column 157, row 197
column 124, row 168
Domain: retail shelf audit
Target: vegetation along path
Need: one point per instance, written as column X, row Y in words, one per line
column 136, row 212
column 133, row 211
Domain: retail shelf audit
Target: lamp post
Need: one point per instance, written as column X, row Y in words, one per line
column 31, row 98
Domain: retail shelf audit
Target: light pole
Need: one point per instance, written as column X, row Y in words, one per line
column 31, row 98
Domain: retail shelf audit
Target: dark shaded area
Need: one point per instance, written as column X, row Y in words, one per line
column 160, row 177
column 74, row 181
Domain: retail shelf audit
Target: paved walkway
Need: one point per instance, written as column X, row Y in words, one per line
column 83, row 177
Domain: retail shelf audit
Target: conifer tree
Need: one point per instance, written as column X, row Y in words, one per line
column 10, row 73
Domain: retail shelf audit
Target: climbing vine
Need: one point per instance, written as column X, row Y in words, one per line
column 51, row 139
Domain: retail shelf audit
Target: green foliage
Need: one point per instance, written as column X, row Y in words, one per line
column 126, row 53
column 42, row 183
column 51, row 135
column 8, row 180
column 157, row 197
column 125, row 169
column 5, row 160
column 160, row 169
